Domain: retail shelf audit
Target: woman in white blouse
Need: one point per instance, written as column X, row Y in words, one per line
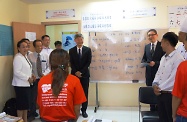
column 22, row 78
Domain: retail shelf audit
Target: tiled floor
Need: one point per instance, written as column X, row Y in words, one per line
column 119, row 114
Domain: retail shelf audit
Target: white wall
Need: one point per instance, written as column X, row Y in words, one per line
column 10, row 10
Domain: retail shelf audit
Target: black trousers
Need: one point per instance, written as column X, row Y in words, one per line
column 33, row 97
column 85, row 85
column 165, row 107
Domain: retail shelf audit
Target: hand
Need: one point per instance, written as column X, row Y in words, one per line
column 152, row 63
column 156, row 90
column 78, row 74
column 33, row 77
column 30, row 80
column 174, row 118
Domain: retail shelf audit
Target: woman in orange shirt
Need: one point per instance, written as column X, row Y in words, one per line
column 59, row 93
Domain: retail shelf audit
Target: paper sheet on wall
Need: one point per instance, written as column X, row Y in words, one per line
column 137, row 13
column 176, row 15
column 30, row 35
column 93, row 22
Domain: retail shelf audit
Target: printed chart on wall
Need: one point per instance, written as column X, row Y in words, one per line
column 116, row 56
column 176, row 15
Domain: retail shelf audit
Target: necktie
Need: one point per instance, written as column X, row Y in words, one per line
column 39, row 66
column 152, row 49
column 79, row 53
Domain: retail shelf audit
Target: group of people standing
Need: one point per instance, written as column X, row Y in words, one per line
column 43, row 77
column 165, row 72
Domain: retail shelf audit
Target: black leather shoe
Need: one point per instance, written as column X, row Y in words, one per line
column 36, row 114
column 84, row 114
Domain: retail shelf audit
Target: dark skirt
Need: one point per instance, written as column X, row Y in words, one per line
column 22, row 97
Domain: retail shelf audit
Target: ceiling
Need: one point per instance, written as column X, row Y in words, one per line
column 44, row 1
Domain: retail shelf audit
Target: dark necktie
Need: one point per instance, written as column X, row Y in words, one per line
column 152, row 50
column 79, row 53
column 39, row 66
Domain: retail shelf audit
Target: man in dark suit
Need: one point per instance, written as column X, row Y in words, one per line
column 152, row 55
column 80, row 59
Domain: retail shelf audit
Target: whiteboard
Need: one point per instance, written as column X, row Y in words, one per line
column 116, row 55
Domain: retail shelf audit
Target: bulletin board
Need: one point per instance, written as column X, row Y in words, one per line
column 117, row 55
column 6, row 40
column 20, row 29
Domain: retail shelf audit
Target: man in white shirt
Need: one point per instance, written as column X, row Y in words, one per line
column 46, row 42
column 182, row 36
column 165, row 76
column 28, row 44
column 182, row 50
column 43, row 70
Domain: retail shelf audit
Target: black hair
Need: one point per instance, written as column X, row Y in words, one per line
column 20, row 42
column 34, row 42
column 171, row 37
column 152, row 30
column 58, row 43
column 25, row 39
column 59, row 61
column 44, row 37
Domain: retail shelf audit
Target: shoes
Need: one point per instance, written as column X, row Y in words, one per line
column 84, row 114
column 36, row 114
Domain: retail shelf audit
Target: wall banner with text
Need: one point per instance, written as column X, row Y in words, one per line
column 65, row 13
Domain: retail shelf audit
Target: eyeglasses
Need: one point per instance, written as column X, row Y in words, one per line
column 151, row 35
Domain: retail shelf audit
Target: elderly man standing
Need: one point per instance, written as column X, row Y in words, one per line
column 80, row 59
column 40, row 67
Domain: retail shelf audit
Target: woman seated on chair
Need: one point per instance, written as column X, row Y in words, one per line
column 59, row 93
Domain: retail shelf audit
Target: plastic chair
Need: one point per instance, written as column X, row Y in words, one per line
column 147, row 96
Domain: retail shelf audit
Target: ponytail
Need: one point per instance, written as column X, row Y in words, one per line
column 59, row 77
column 59, row 60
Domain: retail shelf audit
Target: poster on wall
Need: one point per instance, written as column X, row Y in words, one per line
column 92, row 22
column 30, row 35
column 68, row 40
column 50, row 14
column 137, row 13
column 176, row 14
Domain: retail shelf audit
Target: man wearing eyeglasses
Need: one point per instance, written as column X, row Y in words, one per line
column 152, row 55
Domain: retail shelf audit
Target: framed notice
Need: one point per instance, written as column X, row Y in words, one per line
column 65, row 13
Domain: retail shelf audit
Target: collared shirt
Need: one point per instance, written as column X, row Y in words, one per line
column 165, row 75
column 154, row 45
column 80, row 50
column 47, row 50
column 29, row 52
column 181, row 49
column 44, row 62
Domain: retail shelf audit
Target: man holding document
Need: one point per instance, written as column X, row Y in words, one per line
column 151, row 59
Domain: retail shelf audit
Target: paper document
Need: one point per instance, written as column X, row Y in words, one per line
column 92, row 119
column 144, row 64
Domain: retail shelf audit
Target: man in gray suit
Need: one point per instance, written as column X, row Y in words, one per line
column 152, row 55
